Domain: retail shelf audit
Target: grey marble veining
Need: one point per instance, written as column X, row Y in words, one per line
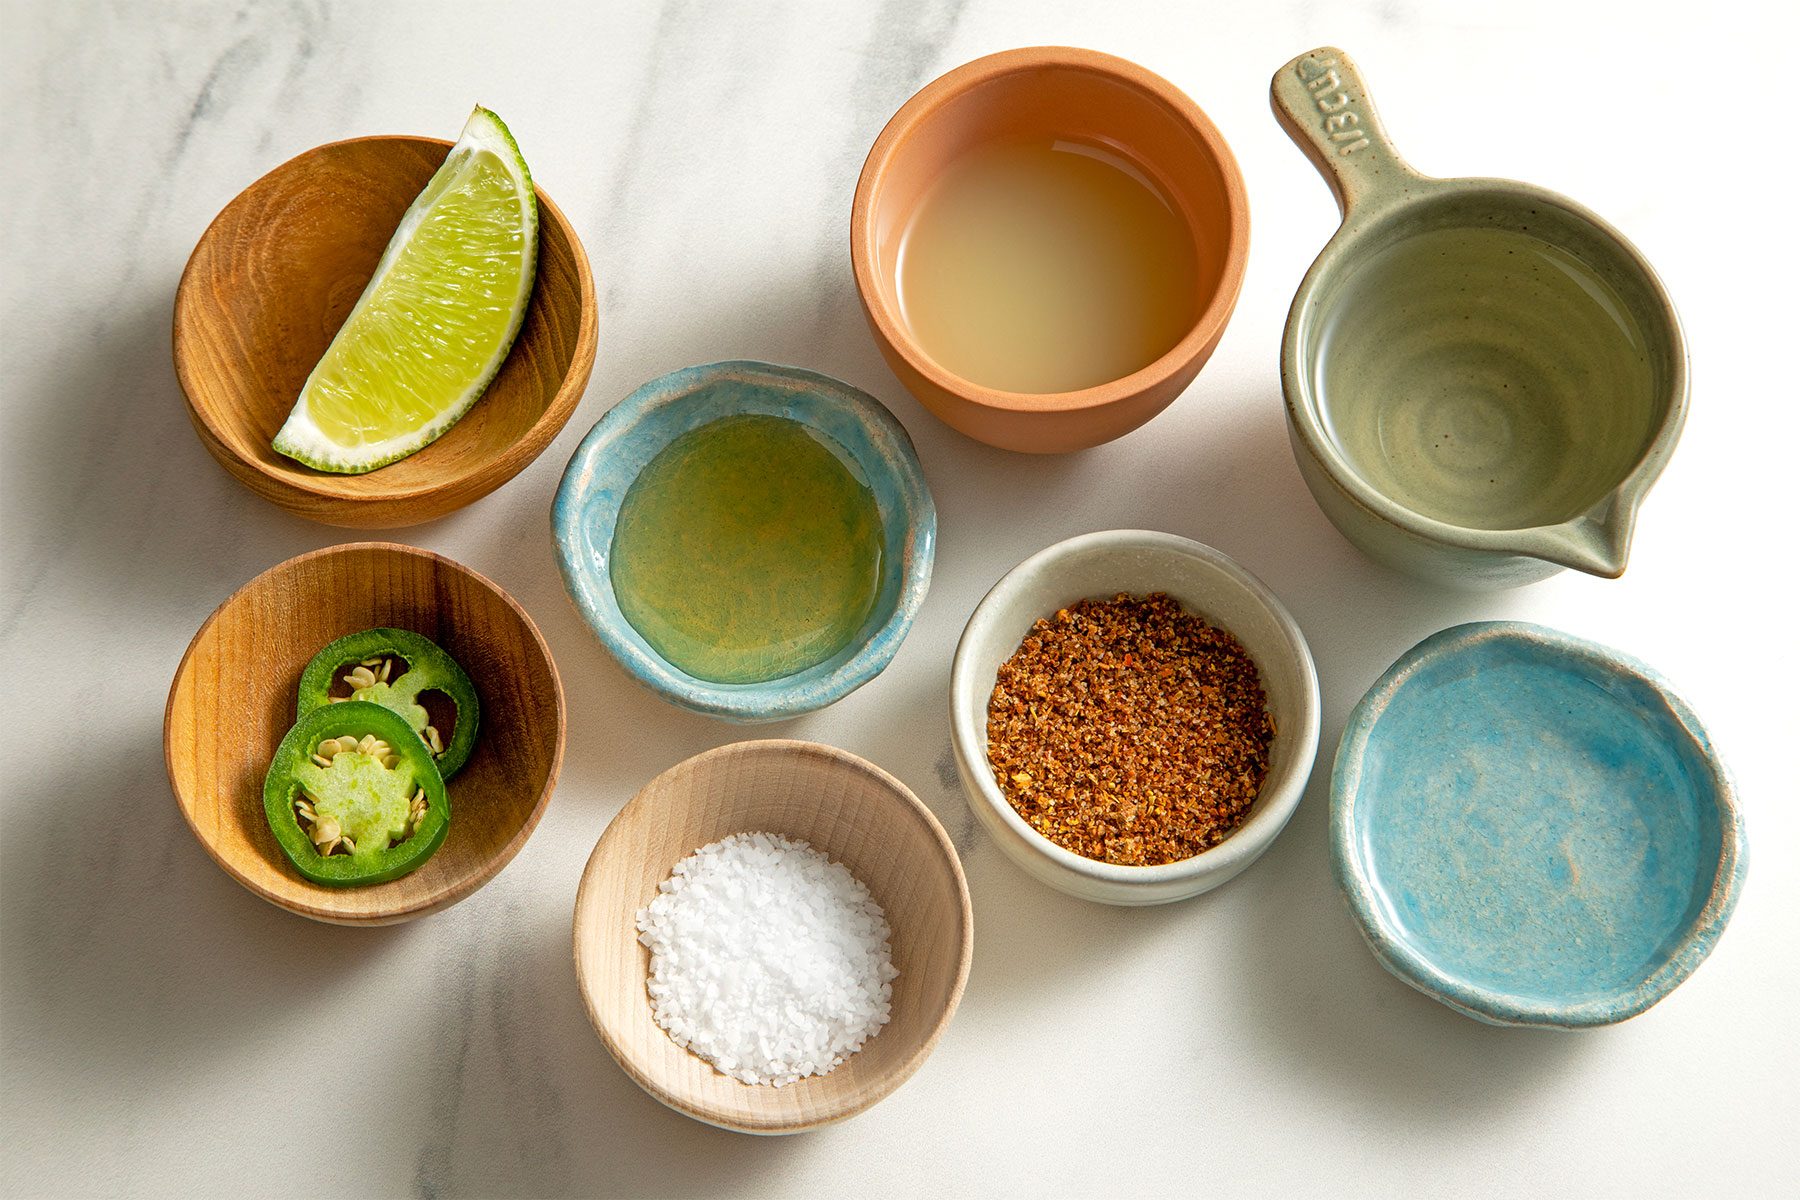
column 163, row 1032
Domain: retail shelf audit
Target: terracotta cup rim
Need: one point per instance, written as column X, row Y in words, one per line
column 930, row 100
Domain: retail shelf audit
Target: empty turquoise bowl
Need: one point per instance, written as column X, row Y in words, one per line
column 1532, row 828
column 624, row 441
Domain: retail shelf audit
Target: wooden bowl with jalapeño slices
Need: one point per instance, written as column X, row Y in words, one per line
column 245, row 686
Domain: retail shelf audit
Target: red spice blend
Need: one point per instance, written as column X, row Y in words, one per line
column 1130, row 731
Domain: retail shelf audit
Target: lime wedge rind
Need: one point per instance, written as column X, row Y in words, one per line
column 394, row 331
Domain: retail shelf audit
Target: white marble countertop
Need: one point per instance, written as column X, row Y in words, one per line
column 167, row 1033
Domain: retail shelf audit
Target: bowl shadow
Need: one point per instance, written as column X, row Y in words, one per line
column 106, row 470
column 104, row 968
column 1315, row 999
column 524, row 1063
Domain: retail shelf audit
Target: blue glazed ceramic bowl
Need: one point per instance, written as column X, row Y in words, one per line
column 640, row 426
column 1532, row 828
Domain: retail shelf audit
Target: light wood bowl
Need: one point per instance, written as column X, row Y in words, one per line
column 276, row 274
column 233, row 699
column 851, row 810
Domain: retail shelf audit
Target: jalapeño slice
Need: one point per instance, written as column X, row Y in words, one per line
column 367, row 662
column 353, row 796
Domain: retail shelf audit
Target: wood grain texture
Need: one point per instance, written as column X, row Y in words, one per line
column 233, row 699
column 851, row 810
column 277, row 273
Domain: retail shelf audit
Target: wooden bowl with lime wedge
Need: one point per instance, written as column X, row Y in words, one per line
column 274, row 277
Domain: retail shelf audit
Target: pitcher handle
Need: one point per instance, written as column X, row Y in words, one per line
column 1320, row 100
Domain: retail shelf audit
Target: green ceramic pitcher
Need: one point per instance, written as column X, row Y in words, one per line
column 1483, row 378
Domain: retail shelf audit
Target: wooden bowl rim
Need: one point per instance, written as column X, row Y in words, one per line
column 496, row 863
column 507, row 462
column 908, row 1067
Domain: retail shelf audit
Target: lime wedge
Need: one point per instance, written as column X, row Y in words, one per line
column 437, row 318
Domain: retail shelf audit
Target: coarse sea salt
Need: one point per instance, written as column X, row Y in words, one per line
column 767, row 959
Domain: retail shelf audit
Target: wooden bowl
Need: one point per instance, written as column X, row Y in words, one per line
column 851, row 810
column 233, row 699
column 276, row 274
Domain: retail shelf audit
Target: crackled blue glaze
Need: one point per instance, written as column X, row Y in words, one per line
column 624, row 441
column 1532, row 828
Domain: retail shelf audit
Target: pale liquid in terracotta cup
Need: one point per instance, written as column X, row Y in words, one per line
column 1048, row 243
column 1046, row 265
column 1483, row 378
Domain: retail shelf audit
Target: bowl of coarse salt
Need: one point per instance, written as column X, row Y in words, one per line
column 772, row 936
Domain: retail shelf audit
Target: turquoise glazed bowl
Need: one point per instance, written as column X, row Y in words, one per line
column 1532, row 828
column 640, row 426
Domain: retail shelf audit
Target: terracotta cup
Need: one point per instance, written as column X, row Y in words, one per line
column 1065, row 93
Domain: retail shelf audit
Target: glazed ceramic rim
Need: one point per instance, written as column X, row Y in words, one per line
column 1402, row 959
column 1275, row 802
column 774, row 699
column 1296, row 374
column 500, row 859
column 497, row 470
column 1207, row 326
column 895, row 791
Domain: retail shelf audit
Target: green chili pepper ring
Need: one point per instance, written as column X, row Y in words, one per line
column 428, row 668
column 353, row 796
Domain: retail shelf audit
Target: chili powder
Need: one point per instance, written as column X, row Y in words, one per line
column 1130, row 731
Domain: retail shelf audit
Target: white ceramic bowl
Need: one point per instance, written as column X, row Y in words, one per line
column 1204, row 581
